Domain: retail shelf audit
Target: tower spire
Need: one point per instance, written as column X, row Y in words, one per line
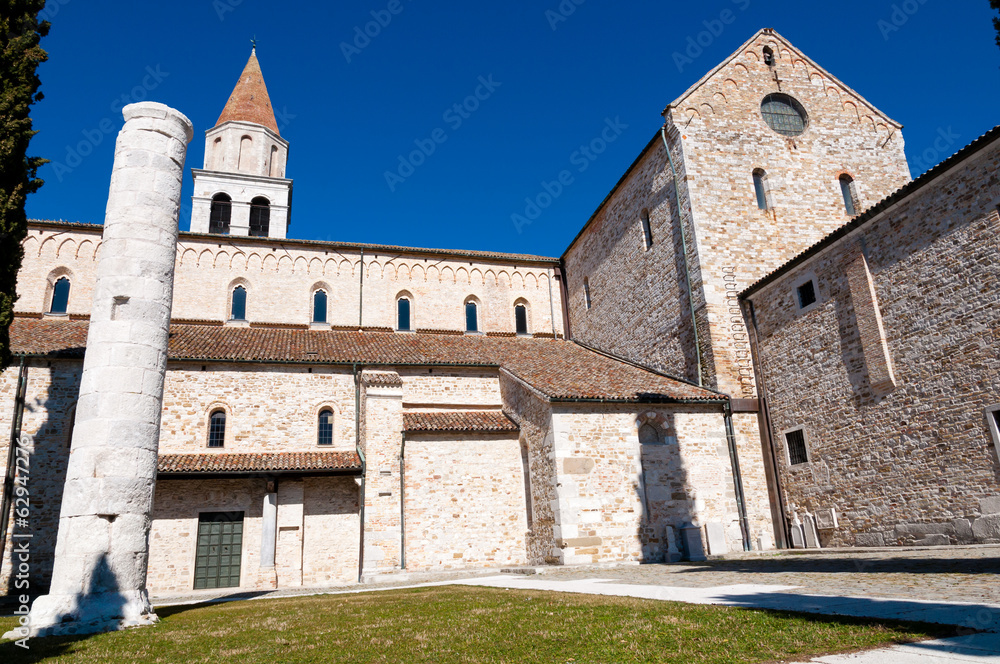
column 249, row 101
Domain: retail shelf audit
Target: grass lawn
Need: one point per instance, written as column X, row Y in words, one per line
column 461, row 624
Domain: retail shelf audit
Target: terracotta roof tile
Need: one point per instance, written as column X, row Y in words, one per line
column 173, row 464
column 249, row 101
column 558, row 369
column 481, row 421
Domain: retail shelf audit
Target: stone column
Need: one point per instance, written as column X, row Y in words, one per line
column 102, row 546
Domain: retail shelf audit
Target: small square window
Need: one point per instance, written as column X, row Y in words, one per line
column 796, row 441
column 806, row 294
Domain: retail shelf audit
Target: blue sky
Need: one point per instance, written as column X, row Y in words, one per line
column 550, row 76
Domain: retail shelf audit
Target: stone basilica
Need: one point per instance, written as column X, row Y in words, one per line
column 766, row 335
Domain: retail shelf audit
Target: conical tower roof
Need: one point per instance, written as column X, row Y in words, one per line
column 249, row 101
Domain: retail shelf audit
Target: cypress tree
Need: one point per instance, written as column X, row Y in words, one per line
column 20, row 55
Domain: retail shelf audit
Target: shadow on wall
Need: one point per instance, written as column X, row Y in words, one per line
column 48, row 463
column 664, row 491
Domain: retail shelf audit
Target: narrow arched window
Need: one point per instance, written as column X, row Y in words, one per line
column 471, row 317
column 768, row 56
column 274, row 162
column 217, row 154
column 850, row 194
column 647, row 233
column 246, row 147
column 260, row 217
column 319, row 306
column 586, row 293
column 217, row 429
column 521, row 319
column 403, row 314
column 760, row 189
column 648, row 435
column 222, row 213
column 239, row 309
column 325, row 431
column 60, row 296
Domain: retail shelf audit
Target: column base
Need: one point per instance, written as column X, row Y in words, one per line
column 53, row 615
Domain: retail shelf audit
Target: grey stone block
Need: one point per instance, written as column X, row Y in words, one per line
column 986, row 527
column 716, row 536
column 990, row 505
column 869, row 539
column 934, row 540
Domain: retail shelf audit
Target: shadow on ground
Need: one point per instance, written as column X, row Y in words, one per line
column 832, row 564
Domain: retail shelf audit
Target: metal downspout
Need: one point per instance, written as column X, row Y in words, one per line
column 734, row 459
column 15, row 435
column 687, row 269
column 364, row 468
column 768, row 428
column 402, row 504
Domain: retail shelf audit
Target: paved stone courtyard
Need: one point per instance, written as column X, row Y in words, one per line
column 947, row 574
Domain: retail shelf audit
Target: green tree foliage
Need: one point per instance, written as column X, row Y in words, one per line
column 995, row 4
column 20, row 55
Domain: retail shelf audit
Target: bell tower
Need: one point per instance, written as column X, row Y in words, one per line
column 242, row 189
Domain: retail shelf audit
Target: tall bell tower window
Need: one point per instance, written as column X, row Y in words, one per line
column 222, row 213
column 260, row 217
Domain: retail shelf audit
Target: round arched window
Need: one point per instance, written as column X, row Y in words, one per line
column 784, row 114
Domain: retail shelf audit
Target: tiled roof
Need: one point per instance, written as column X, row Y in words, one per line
column 481, row 421
column 558, row 369
column 176, row 464
column 892, row 199
column 249, row 101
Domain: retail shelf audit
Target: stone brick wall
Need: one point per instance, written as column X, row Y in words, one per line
column 50, row 400
column 533, row 415
column 465, row 502
column 268, row 408
column 280, row 279
column 449, row 388
column 632, row 287
column 914, row 464
column 615, row 495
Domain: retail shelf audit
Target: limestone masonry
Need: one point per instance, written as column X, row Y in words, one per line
column 766, row 335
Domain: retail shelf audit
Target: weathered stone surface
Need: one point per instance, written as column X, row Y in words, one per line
column 922, row 453
column 990, row 505
column 99, row 570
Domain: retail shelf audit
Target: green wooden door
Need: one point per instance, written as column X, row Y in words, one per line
column 220, row 545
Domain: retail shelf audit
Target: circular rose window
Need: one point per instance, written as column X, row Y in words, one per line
column 784, row 114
